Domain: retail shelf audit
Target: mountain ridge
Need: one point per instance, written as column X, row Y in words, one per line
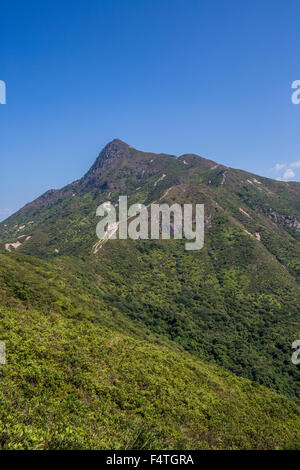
column 116, row 150
column 252, row 225
column 141, row 344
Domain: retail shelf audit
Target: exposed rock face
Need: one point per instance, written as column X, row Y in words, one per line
column 288, row 221
column 12, row 246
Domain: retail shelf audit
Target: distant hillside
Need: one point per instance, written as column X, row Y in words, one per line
column 65, row 220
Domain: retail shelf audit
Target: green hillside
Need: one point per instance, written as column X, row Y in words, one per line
column 75, row 380
column 142, row 344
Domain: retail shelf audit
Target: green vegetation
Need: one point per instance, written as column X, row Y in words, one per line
column 143, row 344
column 220, row 304
column 72, row 384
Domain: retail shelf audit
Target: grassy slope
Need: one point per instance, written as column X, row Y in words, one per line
column 74, row 378
column 235, row 303
column 231, row 303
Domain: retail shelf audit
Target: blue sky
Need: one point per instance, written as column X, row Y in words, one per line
column 173, row 76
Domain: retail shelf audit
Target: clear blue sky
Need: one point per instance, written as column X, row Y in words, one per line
column 174, row 76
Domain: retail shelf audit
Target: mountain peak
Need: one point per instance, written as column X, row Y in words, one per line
column 113, row 149
column 117, row 142
column 112, row 152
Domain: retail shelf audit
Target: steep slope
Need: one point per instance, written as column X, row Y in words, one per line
column 229, row 304
column 75, row 379
column 235, row 303
column 64, row 219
